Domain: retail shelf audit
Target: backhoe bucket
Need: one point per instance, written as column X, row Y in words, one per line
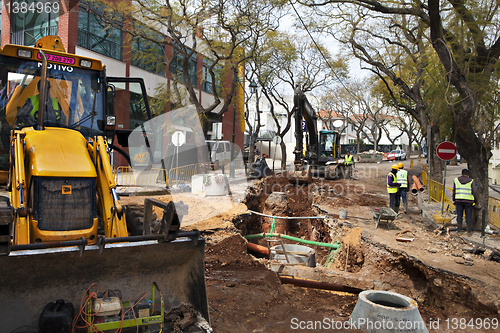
column 31, row 279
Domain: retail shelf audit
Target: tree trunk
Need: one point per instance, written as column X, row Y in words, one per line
column 478, row 168
column 436, row 165
column 283, row 155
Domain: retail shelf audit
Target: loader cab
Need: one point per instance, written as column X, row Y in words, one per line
column 329, row 146
column 79, row 97
column 75, row 99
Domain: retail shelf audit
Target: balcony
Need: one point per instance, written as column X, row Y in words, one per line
column 99, row 44
column 28, row 37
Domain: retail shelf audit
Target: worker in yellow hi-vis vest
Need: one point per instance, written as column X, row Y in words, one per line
column 393, row 188
column 402, row 179
column 348, row 163
column 464, row 191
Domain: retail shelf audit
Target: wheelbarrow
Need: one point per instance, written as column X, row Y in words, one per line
column 383, row 213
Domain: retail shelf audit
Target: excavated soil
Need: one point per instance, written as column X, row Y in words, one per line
column 245, row 295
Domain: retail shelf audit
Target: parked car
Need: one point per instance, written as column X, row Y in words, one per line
column 399, row 154
column 220, row 152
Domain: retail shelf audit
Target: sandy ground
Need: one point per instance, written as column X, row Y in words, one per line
column 245, row 295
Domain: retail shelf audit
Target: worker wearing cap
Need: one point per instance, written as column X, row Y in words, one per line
column 402, row 180
column 464, row 190
column 393, row 188
column 349, row 163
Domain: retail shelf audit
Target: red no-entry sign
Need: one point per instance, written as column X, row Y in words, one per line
column 446, row 150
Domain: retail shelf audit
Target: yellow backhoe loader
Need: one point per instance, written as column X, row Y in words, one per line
column 62, row 227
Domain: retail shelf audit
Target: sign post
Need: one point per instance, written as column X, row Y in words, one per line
column 276, row 141
column 446, row 151
column 178, row 139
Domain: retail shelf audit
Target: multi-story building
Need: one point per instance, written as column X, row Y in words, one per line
column 82, row 33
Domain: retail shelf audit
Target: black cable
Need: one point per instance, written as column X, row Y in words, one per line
column 25, row 329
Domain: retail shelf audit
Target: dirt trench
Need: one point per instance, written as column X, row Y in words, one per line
column 361, row 262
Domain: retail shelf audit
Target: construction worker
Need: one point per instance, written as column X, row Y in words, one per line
column 393, row 188
column 349, row 163
column 402, row 179
column 27, row 115
column 464, row 190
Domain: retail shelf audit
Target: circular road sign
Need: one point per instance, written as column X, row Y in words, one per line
column 178, row 138
column 338, row 123
column 446, row 150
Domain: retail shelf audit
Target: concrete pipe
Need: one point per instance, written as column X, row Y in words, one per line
column 385, row 311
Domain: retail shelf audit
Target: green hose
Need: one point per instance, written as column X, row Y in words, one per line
column 335, row 245
column 272, row 226
column 334, row 256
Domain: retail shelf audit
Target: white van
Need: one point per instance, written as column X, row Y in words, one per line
column 220, row 152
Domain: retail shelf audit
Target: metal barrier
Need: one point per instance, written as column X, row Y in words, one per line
column 154, row 177
column 183, row 173
column 157, row 177
column 494, row 211
column 436, row 190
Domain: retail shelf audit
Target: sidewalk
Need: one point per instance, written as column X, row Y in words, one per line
column 429, row 210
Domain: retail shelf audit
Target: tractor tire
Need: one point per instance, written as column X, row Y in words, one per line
column 135, row 219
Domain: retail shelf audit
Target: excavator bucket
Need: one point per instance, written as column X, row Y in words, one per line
column 334, row 171
column 32, row 279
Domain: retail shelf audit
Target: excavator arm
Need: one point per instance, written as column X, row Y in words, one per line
column 18, row 194
column 113, row 217
column 304, row 110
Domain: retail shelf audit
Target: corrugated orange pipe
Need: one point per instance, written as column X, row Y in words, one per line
column 319, row 285
column 417, row 182
column 414, row 189
column 258, row 249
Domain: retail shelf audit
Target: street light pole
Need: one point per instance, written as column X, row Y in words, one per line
column 232, row 166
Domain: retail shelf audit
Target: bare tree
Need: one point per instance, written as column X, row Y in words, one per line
column 452, row 88
column 224, row 31
column 283, row 62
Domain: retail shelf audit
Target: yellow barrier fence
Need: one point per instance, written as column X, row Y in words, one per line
column 154, row 177
column 157, row 177
column 494, row 211
column 182, row 173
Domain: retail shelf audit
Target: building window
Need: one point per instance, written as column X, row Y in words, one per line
column 148, row 55
column 97, row 36
column 192, row 68
column 30, row 25
column 207, row 85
